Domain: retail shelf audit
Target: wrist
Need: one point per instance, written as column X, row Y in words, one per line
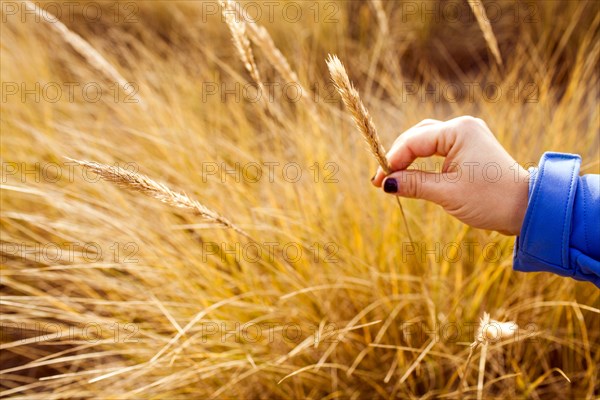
column 521, row 199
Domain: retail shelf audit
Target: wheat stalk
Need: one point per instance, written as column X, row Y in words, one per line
column 359, row 112
column 382, row 36
column 260, row 36
column 143, row 184
column 237, row 26
column 362, row 119
column 381, row 16
column 485, row 26
column 84, row 49
column 483, row 336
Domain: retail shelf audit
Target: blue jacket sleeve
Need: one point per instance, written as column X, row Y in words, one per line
column 561, row 229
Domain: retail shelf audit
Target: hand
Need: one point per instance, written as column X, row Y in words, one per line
column 480, row 183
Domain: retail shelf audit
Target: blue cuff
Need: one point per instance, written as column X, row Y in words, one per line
column 544, row 241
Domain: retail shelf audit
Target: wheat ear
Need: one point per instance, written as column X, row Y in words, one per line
column 84, row 49
column 359, row 112
column 142, row 184
column 488, row 330
column 263, row 40
column 260, row 36
column 362, row 119
column 485, row 26
column 240, row 40
column 238, row 27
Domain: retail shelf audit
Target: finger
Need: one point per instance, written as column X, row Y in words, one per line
column 377, row 179
column 425, row 122
column 424, row 141
column 420, row 185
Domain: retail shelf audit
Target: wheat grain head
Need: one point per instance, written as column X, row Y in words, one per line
column 237, row 26
column 261, row 37
column 359, row 113
column 485, row 26
column 143, row 184
column 84, row 49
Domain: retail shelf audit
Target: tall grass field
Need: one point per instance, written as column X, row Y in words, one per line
column 186, row 211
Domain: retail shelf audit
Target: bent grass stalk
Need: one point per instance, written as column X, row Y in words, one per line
column 261, row 38
column 142, row 184
column 240, row 40
column 238, row 28
column 93, row 57
column 242, row 30
column 488, row 330
column 362, row 119
column 486, row 27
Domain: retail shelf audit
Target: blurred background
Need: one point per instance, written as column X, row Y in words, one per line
column 109, row 294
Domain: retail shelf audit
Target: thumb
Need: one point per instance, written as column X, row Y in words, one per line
column 418, row 185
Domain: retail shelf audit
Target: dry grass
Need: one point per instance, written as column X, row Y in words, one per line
column 486, row 27
column 237, row 26
column 357, row 109
column 82, row 47
column 362, row 119
column 160, row 291
column 142, row 184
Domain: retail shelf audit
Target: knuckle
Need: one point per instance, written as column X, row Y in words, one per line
column 468, row 125
column 426, row 121
column 480, row 122
column 398, row 140
column 467, row 120
column 410, row 186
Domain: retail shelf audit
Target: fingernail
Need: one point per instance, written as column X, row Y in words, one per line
column 373, row 178
column 390, row 185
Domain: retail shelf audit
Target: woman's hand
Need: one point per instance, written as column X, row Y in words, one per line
column 480, row 183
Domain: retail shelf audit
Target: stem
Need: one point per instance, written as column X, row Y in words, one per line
column 405, row 222
column 464, row 377
column 481, row 371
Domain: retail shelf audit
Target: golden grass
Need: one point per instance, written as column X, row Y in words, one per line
column 160, row 291
column 82, row 47
column 357, row 109
column 486, row 27
column 361, row 118
column 237, row 26
column 142, row 184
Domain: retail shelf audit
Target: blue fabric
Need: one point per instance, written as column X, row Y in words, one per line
column 561, row 230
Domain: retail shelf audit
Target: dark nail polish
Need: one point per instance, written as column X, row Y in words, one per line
column 390, row 185
column 373, row 178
